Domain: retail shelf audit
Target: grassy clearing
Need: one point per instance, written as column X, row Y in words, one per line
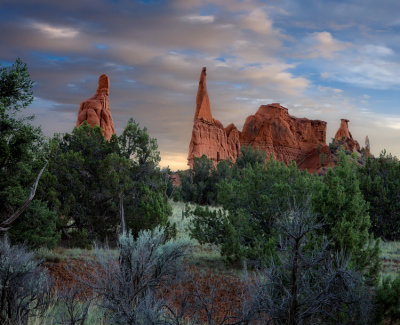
column 64, row 254
column 204, row 257
column 390, row 258
column 52, row 316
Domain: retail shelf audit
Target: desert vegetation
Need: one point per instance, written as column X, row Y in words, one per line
column 105, row 237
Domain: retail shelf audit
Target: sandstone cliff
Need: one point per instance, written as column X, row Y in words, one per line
column 276, row 132
column 270, row 129
column 96, row 110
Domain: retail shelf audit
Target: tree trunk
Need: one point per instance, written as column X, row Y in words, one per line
column 293, row 284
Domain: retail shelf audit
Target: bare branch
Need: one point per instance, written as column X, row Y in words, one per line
column 28, row 200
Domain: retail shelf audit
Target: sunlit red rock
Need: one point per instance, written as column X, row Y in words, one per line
column 276, row 132
column 208, row 135
column 96, row 110
column 270, row 129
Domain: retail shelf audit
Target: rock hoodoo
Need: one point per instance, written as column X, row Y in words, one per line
column 270, row 129
column 96, row 110
column 344, row 137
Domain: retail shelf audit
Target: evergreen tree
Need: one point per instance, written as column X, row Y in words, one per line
column 21, row 158
column 197, row 182
column 380, row 183
column 253, row 197
column 345, row 212
column 90, row 180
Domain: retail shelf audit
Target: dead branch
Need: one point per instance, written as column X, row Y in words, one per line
column 5, row 225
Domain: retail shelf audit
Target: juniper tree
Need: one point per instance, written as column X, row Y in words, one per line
column 309, row 286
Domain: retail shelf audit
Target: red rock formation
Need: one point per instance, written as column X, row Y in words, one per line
column 209, row 136
column 271, row 129
column 276, row 132
column 344, row 137
column 96, row 110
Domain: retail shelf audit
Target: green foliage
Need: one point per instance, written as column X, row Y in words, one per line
column 83, row 183
column 249, row 156
column 207, row 225
column 21, row 158
column 253, row 198
column 151, row 208
column 36, row 227
column 387, row 301
column 197, row 183
column 15, row 87
column 310, row 284
column 380, row 183
column 345, row 213
column 89, row 176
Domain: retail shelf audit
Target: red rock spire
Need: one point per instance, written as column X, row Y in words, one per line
column 203, row 110
column 96, row 110
column 343, row 131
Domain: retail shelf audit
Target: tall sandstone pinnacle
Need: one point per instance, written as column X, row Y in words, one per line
column 96, row 110
column 270, row 129
column 208, row 135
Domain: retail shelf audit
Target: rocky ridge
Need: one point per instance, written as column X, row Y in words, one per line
column 271, row 129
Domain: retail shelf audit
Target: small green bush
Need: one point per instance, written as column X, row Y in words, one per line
column 387, row 301
column 36, row 227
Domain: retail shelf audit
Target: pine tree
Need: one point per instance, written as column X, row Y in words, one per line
column 344, row 211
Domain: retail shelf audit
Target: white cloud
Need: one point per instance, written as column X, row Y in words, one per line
column 55, row 32
column 199, row 19
column 323, row 45
column 257, row 21
column 323, row 89
column 377, row 50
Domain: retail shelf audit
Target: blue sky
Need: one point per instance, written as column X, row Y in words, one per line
column 321, row 59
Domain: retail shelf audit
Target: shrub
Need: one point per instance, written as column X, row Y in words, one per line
column 36, row 227
column 309, row 286
column 128, row 289
column 24, row 285
column 387, row 301
column 253, row 199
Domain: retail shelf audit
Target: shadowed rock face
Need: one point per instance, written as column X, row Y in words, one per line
column 270, row 129
column 96, row 110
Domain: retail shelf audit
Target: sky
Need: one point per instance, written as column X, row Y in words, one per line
column 321, row 59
